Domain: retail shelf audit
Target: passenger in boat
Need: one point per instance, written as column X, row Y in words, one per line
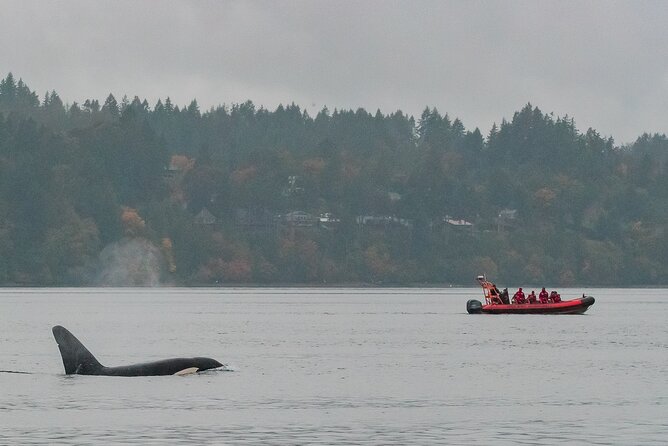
column 532, row 297
column 505, row 298
column 543, row 296
column 519, row 297
column 556, row 298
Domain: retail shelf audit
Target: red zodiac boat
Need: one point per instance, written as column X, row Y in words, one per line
column 494, row 305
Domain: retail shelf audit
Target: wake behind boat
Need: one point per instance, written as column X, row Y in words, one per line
column 494, row 304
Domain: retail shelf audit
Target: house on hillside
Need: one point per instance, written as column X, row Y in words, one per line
column 506, row 220
column 458, row 223
column 205, row 218
column 299, row 219
column 383, row 221
column 328, row 221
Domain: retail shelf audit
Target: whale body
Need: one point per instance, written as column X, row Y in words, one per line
column 78, row 360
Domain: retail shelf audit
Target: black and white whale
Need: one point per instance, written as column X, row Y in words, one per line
column 78, row 360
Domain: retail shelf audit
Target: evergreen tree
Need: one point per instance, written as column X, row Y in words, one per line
column 111, row 106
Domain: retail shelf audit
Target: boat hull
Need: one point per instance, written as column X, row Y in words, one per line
column 574, row 306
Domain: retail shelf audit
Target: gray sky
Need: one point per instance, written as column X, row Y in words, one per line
column 604, row 63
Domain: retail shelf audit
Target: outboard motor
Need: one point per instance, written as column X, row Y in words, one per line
column 474, row 306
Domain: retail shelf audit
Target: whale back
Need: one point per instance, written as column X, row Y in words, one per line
column 76, row 358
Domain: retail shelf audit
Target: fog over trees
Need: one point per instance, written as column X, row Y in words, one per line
column 239, row 194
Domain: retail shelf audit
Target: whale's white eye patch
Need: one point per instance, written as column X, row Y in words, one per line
column 188, row 371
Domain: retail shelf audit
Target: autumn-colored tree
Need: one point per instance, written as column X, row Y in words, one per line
column 378, row 261
column 241, row 176
column 264, row 271
column 133, row 224
column 237, row 270
column 182, row 163
column 313, row 166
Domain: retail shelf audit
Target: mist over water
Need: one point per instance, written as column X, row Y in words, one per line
column 335, row 366
column 129, row 262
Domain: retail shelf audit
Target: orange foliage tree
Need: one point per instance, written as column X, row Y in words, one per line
column 241, row 176
column 133, row 224
column 378, row 261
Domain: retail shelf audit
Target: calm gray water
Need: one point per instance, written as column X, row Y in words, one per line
column 331, row 366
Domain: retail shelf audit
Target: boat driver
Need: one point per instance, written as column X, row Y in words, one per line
column 504, row 296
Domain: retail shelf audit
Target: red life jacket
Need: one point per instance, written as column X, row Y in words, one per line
column 543, row 297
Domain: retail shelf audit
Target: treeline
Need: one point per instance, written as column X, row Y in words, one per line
column 532, row 201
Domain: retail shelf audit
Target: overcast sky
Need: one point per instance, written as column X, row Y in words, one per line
column 604, row 63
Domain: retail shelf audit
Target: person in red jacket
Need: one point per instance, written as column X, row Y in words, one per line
column 519, row 297
column 542, row 296
column 532, row 297
column 556, row 298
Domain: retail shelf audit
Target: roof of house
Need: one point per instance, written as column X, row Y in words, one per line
column 204, row 217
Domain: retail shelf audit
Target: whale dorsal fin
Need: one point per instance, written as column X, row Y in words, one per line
column 76, row 357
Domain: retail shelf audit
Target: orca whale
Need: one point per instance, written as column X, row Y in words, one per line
column 78, row 360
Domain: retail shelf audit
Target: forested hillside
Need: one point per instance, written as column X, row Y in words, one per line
column 128, row 193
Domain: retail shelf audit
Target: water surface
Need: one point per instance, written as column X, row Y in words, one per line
column 324, row 366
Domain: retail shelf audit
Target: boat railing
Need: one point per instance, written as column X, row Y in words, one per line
column 488, row 290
